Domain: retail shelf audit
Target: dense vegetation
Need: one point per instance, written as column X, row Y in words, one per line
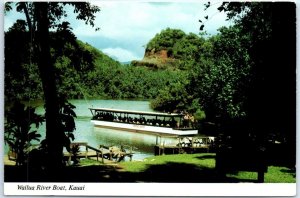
column 81, row 70
column 243, row 78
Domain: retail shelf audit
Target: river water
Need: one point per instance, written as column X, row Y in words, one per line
column 95, row 136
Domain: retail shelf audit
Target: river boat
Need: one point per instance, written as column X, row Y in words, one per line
column 141, row 121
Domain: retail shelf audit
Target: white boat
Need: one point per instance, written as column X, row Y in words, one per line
column 140, row 121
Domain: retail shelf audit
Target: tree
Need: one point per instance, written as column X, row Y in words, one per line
column 270, row 98
column 172, row 97
column 221, row 78
column 18, row 130
column 165, row 40
column 40, row 17
column 21, row 72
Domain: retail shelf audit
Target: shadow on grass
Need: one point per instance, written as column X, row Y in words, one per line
column 178, row 172
column 204, row 157
column 92, row 173
column 169, row 172
column 291, row 171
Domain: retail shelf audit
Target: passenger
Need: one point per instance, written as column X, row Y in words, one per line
column 148, row 122
column 97, row 115
column 153, row 122
column 177, row 124
column 186, row 120
column 192, row 119
column 111, row 117
column 105, row 117
column 173, row 123
column 158, row 122
column 130, row 120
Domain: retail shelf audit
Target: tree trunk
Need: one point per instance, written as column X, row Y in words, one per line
column 54, row 133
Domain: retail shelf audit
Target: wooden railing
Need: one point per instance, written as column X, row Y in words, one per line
column 102, row 152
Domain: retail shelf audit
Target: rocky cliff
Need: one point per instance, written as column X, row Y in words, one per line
column 156, row 60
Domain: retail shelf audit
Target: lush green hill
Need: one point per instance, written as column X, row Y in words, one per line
column 171, row 49
column 82, row 71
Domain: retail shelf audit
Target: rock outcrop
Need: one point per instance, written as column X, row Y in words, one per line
column 156, row 60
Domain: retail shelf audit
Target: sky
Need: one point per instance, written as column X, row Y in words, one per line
column 127, row 26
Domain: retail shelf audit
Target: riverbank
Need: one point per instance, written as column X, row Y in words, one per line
column 196, row 168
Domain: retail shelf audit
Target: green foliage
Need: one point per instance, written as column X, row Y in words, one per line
column 67, row 117
column 40, row 18
column 20, row 130
column 165, row 40
column 220, row 80
column 199, row 115
column 187, row 46
column 172, row 97
column 184, row 48
column 21, row 73
column 75, row 149
column 81, row 71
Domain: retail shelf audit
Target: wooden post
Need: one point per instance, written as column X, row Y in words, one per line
column 192, row 142
column 101, row 153
column 86, row 151
column 69, row 160
column 260, row 176
column 110, row 154
column 131, row 153
column 158, row 149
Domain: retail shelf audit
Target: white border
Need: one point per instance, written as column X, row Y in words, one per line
column 158, row 189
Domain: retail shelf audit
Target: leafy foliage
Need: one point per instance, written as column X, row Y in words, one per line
column 67, row 116
column 165, row 40
column 20, row 129
column 222, row 77
column 40, row 18
column 81, row 70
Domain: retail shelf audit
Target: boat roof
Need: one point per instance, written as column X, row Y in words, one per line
column 137, row 112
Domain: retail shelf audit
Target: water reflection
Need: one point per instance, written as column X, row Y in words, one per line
column 143, row 144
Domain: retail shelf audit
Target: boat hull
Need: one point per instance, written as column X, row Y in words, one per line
column 143, row 128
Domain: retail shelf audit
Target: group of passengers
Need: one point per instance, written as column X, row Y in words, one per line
column 188, row 120
column 142, row 120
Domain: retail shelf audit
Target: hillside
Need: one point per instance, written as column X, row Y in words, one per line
column 170, row 49
column 81, row 71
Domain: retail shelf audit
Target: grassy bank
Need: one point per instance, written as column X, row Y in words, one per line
column 199, row 160
column 206, row 161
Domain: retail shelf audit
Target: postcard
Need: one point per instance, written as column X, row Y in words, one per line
column 149, row 98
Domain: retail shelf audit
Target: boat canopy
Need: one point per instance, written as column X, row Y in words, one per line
column 94, row 110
